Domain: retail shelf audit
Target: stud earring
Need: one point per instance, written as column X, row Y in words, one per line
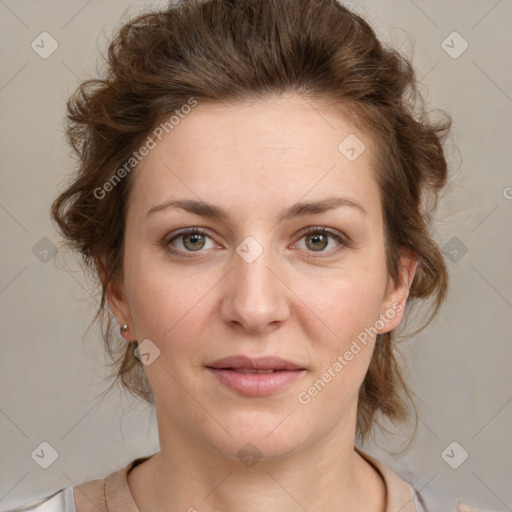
column 124, row 329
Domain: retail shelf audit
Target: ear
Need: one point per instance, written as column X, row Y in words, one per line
column 393, row 306
column 116, row 298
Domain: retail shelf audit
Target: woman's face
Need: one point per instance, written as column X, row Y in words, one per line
column 253, row 283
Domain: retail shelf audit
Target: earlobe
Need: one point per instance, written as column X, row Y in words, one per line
column 115, row 296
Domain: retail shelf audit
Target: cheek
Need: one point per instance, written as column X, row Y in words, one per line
column 167, row 306
column 351, row 310
column 157, row 299
column 348, row 305
column 168, row 310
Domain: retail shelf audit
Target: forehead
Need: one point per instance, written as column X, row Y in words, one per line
column 277, row 149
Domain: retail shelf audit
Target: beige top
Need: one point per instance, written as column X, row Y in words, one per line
column 112, row 494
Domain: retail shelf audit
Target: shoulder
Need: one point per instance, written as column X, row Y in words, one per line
column 59, row 501
column 90, row 496
column 400, row 495
column 111, row 493
column 85, row 497
column 98, row 495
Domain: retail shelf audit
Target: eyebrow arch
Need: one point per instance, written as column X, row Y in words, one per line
column 297, row 210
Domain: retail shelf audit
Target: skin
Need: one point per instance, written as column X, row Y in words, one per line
column 302, row 299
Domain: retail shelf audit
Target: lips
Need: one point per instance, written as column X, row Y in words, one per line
column 248, row 365
column 255, row 377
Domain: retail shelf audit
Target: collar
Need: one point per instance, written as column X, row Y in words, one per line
column 399, row 494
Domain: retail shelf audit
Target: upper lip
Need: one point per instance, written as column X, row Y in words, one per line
column 262, row 363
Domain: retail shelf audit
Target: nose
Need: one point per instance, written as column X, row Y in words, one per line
column 255, row 296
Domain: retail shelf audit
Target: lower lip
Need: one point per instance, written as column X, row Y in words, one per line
column 256, row 384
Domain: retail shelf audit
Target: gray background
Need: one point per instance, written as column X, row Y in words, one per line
column 51, row 375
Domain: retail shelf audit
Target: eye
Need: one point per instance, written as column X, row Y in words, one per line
column 190, row 240
column 317, row 238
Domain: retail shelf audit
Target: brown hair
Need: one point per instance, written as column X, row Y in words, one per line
column 228, row 51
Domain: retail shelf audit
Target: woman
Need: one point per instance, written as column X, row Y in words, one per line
column 255, row 186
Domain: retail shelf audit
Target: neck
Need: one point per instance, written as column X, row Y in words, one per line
column 327, row 475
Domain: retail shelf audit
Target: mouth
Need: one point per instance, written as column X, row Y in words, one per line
column 250, row 365
column 255, row 377
column 248, row 370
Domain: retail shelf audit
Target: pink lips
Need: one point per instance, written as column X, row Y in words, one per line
column 255, row 377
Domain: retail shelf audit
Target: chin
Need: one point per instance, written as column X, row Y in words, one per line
column 261, row 435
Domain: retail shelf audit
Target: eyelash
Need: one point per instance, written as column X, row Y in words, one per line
column 343, row 240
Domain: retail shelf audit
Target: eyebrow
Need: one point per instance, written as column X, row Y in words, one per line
column 299, row 209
